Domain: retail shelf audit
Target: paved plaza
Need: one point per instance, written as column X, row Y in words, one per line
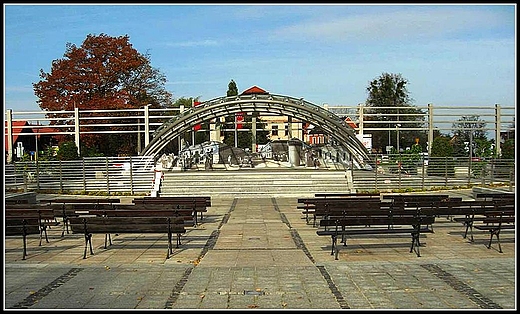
column 258, row 253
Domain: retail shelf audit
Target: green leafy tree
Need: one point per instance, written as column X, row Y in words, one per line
column 105, row 72
column 508, row 149
column 229, row 137
column 441, row 161
column 410, row 158
column 232, row 89
column 49, row 153
column 67, row 151
column 510, row 131
column 390, row 104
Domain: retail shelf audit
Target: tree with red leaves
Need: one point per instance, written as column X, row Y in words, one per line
column 103, row 73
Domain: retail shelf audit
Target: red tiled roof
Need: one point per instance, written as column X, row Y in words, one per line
column 17, row 129
column 254, row 90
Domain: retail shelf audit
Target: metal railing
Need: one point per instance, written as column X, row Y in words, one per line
column 145, row 121
column 401, row 173
column 92, row 175
column 135, row 175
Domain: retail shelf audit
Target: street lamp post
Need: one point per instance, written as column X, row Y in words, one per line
column 471, row 144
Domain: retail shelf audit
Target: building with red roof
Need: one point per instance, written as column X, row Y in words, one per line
column 254, row 90
column 22, row 133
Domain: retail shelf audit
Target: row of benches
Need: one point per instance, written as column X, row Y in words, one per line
column 354, row 214
column 170, row 215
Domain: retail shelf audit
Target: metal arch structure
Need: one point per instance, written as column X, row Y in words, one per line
column 298, row 108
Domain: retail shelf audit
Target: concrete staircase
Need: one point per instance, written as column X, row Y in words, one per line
column 255, row 182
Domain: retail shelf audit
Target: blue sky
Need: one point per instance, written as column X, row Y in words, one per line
column 450, row 54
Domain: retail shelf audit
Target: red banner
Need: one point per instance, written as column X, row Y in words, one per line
column 239, row 118
column 198, row 126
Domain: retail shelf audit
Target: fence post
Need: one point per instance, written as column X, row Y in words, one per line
column 108, row 176
column 469, row 171
column 498, row 128
column 493, row 165
column 61, row 178
column 131, row 177
column 25, row 181
column 76, row 129
column 399, row 168
column 445, row 171
column 84, row 175
column 377, row 171
column 9, row 127
column 422, row 177
column 37, row 175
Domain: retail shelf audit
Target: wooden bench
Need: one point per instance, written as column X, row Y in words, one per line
column 83, row 200
column 414, row 200
column 199, row 204
column 187, row 212
column 362, row 224
column 207, row 199
column 318, row 206
column 135, row 210
column 19, row 221
column 335, row 195
column 494, row 222
column 495, row 196
column 365, row 206
column 137, row 223
column 471, row 211
column 9, row 201
column 66, row 207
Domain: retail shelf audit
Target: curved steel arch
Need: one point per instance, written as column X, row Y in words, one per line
column 331, row 124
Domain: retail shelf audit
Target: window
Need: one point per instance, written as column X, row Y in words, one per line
column 274, row 130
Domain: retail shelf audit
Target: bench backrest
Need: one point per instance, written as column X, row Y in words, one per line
column 200, row 204
column 38, row 213
column 83, row 200
column 499, row 216
column 468, row 207
column 415, row 200
column 191, row 207
column 16, row 201
column 379, row 220
column 334, row 195
column 174, row 199
column 24, row 206
column 314, row 200
column 172, row 213
column 21, row 225
column 493, row 196
column 126, row 225
column 349, row 207
column 25, row 221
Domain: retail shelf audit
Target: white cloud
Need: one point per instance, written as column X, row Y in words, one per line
column 200, row 43
column 403, row 24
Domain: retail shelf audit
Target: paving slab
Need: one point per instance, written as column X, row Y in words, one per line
column 259, row 253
